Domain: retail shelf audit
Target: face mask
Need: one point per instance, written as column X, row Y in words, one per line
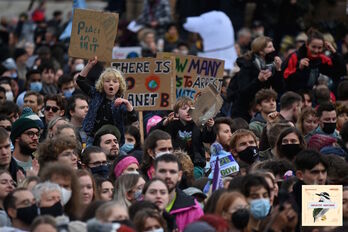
column 55, row 210
column 201, row 204
column 68, row 93
column 27, row 214
column 290, row 150
column 269, row 57
column 329, row 127
column 249, row 154
column 155, row 230
column 133, row 172
column 127, row 147
column 9, row 96
column 158, row 154
column 66, row 195
column 36, row 86
column 138, row 196
column 14, row 75
column 259, row 208
column 101, row 170
column 207, row 167
column 240, row 218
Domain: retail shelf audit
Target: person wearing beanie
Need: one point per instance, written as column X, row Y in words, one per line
column 108, row 139
column 25, row 135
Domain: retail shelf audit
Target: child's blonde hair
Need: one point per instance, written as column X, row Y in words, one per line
column 111, row 73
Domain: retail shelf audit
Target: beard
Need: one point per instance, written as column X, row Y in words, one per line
column 25, row 149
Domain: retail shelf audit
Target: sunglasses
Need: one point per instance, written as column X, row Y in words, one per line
column 54, row 108
column 8, row 128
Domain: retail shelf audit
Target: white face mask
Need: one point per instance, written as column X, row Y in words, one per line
column 156, row 230
column 158, row 154
column 66, row 195
column 9, row 96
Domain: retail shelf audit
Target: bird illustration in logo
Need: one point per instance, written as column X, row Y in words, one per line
column 320, row 212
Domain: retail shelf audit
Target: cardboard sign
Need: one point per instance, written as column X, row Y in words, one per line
column 206, row 106
column 126, row 52
column 93, row 34
column 150, row 82
column 194, row 73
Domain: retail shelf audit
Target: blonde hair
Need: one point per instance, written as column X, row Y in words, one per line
column 111, row 73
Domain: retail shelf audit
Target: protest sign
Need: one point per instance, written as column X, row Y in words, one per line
column 126, row 52
column 150, row 82
column 194, row 73
column 93, row 34
column 207, row 105
column 227, row 163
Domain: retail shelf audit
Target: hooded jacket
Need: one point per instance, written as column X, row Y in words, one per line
column 185, row 209
column 257, row 124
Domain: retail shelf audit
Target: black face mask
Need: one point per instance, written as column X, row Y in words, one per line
column 55, row 210
column 27, row 214
column 101, row 170
column 240, row 218
column 249, row 154
column 329, row 127
column 290, row 150
column 269, row 57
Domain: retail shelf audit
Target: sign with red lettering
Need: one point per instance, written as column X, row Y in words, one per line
column 194, row 73
column 93, row 34
column 150, row 82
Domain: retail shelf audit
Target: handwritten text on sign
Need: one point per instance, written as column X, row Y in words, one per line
column 93, row 34
column 194, row 73
column 150, row 82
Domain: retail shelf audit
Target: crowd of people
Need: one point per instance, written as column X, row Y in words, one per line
column 72, row 157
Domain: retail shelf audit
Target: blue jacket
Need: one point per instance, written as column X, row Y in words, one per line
column 119, row 114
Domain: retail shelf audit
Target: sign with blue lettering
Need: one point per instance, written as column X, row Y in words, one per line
column 93, row 34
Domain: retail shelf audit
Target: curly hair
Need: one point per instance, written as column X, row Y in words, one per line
column 111, row 73
column 50, row 149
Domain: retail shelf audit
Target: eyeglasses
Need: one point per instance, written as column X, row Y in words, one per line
column 54, row 108
column 8, row 128
column 99, row 163
column 31, row 134
column 68, row 154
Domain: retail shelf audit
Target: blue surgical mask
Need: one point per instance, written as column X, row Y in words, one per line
column 259, row 208
column 127, row 147
column 68, row 93
column 138, row 196
column 101, row 170
column 36, row 86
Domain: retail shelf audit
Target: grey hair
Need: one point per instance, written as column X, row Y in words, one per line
column 43, row 187
column 104, row 211
column 55, row 120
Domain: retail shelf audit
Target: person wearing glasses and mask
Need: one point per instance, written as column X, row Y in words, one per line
column 94, row 159
column 25, row 136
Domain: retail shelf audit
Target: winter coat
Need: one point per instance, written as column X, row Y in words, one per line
column 304, row 79
column 243, row 87
column 185, row 209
